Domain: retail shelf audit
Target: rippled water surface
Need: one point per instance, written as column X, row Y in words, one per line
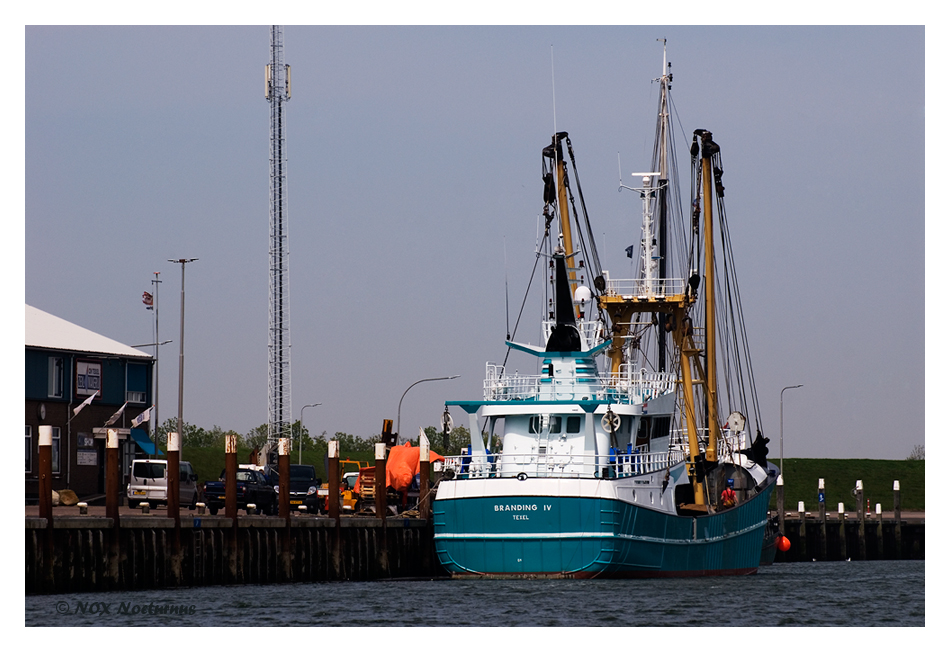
column 880, row 593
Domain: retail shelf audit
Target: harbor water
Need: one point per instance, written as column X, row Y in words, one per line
column 829, row 594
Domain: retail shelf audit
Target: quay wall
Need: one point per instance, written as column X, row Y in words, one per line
column 846, row 539
column 89, row 553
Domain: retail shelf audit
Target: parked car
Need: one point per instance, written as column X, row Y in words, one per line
column 148, row 482
column 304, row 487
column 252, row 488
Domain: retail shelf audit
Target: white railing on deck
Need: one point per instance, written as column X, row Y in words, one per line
column 591, row 331
column 628, row 387
column 556, row 465
column 640, row 288
column 727, row 444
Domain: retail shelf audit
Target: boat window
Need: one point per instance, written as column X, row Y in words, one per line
column 555, row 426
column 573, row 425
column 534, row 424
column 644, row 431
column 661, row 427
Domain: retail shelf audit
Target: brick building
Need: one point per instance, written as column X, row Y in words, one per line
column 65, row 365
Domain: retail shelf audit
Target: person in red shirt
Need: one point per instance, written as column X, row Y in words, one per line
column 728, row 496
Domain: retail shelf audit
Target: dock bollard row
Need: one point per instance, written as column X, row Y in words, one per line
column 856, row 538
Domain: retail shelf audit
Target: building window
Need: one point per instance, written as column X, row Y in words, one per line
column 56, row 375
column 136, row 382
column 55, row 449
column 29, row 449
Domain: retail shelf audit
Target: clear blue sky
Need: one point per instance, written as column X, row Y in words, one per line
column 414, row 162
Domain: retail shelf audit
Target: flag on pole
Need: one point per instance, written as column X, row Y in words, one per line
column 630, row 251
column 78, row 408
column 115, row 417
column 147, row 300
column 140, row 419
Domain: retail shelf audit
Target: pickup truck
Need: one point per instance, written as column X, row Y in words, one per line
column 252, row 488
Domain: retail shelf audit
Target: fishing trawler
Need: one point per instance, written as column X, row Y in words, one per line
column 630, row 453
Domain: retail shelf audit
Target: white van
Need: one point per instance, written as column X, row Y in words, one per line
column 148, row 482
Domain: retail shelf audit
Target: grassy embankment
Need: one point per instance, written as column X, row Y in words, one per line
column 801, row 478
column 801, row 483
column 209, row 462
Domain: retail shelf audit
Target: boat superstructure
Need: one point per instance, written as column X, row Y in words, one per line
column 612, row 458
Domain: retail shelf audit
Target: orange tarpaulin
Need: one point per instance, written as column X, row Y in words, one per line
column 403, row 465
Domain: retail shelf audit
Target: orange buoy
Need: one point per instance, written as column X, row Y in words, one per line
column 782, row 543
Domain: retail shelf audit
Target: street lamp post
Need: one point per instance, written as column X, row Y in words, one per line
column 300, row 451
column 781, row 428
column 181, row 345
column 399, row 411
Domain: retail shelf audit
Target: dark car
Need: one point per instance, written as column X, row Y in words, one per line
column 252, row 488
column 304, row 487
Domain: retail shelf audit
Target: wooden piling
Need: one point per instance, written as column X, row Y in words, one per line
column 173, row 497
column 333, row 502
column 112, row 503
column 802, row 539
column 880, row 530
column 381, row 506
column 381, row 480
column 862, row 543
column 897, row 518
column 283, row 469
column 842, row 534
column 230, row 503
column 46, row 499
column 822, row 516
column 780, row 503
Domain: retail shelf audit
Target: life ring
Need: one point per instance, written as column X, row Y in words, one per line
column 611, row 422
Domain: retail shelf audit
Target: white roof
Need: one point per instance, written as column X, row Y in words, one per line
column 47, row 331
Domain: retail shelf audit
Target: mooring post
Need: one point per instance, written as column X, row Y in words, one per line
column 802, row 541
column 425, row 500
column 880, row 530
column 333, row 483
column 230, row 502
column 174, row 472
column 897, row 519
column 230, row 476
column 283, row 470
column 381, row 481
column 46, row 500
column 842, row 535
column 283, row 474
column 333, row 504
column 780, row 504
column 862, row 545
column 381, row 510
column 822, row 515
column 112, row 502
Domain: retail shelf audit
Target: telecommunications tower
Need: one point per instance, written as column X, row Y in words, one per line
column 277, row 92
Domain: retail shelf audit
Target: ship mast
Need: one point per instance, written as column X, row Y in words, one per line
column 661, row 165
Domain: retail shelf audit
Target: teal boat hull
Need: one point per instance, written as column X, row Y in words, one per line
column 581, row 537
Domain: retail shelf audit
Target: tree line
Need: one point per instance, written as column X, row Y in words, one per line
column 193, row 436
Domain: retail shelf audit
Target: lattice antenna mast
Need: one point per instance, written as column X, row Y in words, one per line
column 277, row 92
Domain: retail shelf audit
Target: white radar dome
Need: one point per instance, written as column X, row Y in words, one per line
column 582, row 294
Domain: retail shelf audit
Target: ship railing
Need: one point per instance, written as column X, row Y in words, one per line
column 615, row 464
column 729, row 442
column 638, row 385
column 591, row 331
column 628, row 387
column 641, row 289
